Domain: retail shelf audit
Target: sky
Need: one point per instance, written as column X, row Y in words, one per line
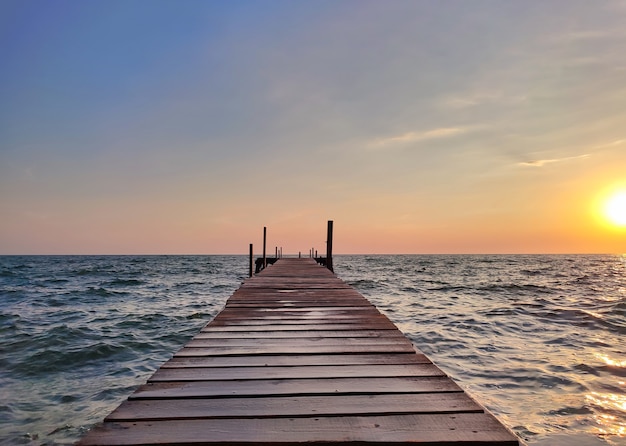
column 185, row 127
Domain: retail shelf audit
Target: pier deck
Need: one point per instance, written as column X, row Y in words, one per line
column 298, row 356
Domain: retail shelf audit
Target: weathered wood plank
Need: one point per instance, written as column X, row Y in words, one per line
column 295, row 360
column 312, row 284
column 326, row 334
column 447, row 429
column 306, row 305
column 304, row 327
column 266, row 407
column 300, row 342
column 328, row 386
column 322, row 323
column 305, row 371
column 318, row 312
column 362, row 312
column 264, row 349
column 293, row 313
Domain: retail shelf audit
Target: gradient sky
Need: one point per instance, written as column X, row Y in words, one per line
column 149, row 127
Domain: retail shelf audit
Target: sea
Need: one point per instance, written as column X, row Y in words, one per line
column 537, row 339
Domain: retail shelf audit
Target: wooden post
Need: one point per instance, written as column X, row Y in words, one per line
column 329, row 246
column 276, row 256
column 264, row 243
column 251, row 260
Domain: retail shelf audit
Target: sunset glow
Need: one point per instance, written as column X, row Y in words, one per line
column 615, row 208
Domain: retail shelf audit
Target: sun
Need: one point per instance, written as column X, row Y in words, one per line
column 615, row 208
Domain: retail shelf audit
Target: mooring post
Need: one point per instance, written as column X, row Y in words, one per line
column 251, row 260
column 276, row 256
column 264, row 243
column 329, row 246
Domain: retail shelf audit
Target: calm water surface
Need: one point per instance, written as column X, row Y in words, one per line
column 539, row 340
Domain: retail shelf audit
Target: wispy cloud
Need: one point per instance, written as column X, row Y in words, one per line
column 615, row 143
column 541, row 163
column 582, row 35
column 481, row 98
column 413, row 137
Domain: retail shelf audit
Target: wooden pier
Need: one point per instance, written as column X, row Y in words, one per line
column 298, row 356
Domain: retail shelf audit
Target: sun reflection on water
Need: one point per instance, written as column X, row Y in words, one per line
column 609, row 407
column 610, row 361
column 607, row 425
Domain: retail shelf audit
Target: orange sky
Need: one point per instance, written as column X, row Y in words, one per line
column 418, row 127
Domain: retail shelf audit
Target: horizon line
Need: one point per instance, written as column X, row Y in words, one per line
column 307, row 256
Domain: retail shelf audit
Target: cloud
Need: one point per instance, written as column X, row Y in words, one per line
column 412, row 137
column 541, row 163
column 615, row 143
column 582, row 35
column 475, row 99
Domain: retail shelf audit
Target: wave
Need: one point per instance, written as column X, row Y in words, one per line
column 125, row 282
column 510, row 289
column 55, row 360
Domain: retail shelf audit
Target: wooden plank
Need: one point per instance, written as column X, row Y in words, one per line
column 307, row 317
column 310, row 284
column 265, row 387
column 305, row 327
column 293, row 312
column 361, row 311
column 302, row 292
column 326, row 334
column 291, row 320
column 300, row 342
column 301, row 372
column 265, row 407
column 299, row 290
column 319, row 311
column 470, row 428
column 306, row 305
column 295, row 360
column 264, row 349
column 315, row 322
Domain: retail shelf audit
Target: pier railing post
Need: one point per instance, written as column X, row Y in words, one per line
column 329, row 246
column 251, row 260
column 264, row 243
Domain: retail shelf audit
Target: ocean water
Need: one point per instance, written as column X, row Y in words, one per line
column 538, row 340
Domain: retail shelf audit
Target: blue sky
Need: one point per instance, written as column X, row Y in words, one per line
column 418, row 126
